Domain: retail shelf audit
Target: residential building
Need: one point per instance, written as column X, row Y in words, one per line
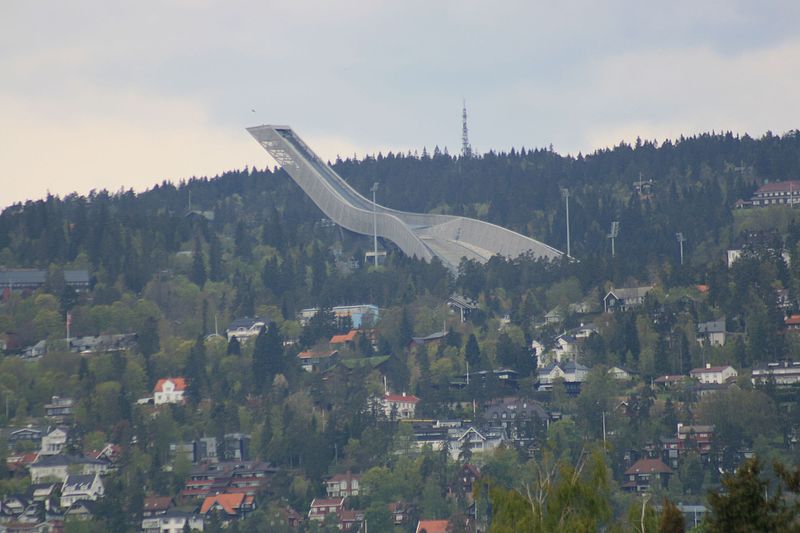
column 434, row 337
column 27, row 434
column 81, row 487
column 777, row 193
column 645, row 474
column 625, row 298
column 342, row 485
column 351, row 520
column 361, row 316
column 780, row 373
column 236, row 447
column 102, row 343
column 621, row 374
column 714, row 374
column 432, row 526
column 474, row 439
column 399, row 406
column 54, row 442
column 695, row 438
column 792, row 323
column 231, row 506
column 321, row 507
column 345, row 339
column 571, row 372
column 246, row 328
column 17, row 279
column 712, row 333
column 169, row 390
column 317, row 360
column 59, row 409
column 58, row 467
column 173, row 521
column 157, row 505
column 462, row 306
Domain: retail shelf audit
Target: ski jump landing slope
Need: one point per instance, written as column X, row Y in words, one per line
column 425, row 236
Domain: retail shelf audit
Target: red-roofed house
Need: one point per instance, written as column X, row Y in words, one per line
column 169, row 390
column 346, row 339
column 714, row 374
column 320, row 508
column 399, row 406
column 646, row 473
column 317, row 360
column 780, row 192
column 157, row 505
column 792, row 323
column 432, row 526
column 230, row 506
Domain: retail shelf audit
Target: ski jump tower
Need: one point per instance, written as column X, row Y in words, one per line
column 425, row 236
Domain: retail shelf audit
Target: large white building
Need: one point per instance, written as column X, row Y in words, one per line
column 399, row 406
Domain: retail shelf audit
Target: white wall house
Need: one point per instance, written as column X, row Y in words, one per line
column 81, row 487
column 169, row 390
column 401, row 406
column 714, row 374
column 54, row 442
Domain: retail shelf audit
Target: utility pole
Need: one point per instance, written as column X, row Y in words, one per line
column 613, row 236
column 565, row 194
column 375, row 223
column 681, row 240
column 604, row 429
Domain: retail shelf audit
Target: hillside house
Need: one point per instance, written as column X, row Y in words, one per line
column 781, row 373
column 173, row 521
column 432, row 526
column 81, row 487
column 714, row 374
column 695, row 438
column 344, row 340
column 360, row 316
column 246, row 328
column 317, row 360
column 711, row 333
column 230, row 506
column 571, row 372
column 462, row 306
column 169, row 390
column 625, row 298
column 321, row 507
column 777, row 193
column 342, row 485
column 54, row 442
column 645, row 474
column 399, row 406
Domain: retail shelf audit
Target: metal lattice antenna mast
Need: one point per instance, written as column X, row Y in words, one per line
column 466, row 149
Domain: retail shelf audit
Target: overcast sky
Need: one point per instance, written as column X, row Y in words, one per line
column 110, row 94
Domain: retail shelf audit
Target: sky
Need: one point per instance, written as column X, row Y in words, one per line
column 108, row 94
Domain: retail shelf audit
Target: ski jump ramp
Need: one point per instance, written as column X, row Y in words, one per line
column 425, row 236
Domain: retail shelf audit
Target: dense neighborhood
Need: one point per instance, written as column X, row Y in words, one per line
column 243, row 367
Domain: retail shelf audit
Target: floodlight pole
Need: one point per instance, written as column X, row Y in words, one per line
column 374, row 224
column 565, row 193
column 681, row 240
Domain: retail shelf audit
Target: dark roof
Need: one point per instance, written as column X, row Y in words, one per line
column 38, row 277
column 715, row 326
column 77, row 480
column 428, row 338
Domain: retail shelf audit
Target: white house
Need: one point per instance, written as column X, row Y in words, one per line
column 714, row 374
column 476, row 440
column 81, row 487
column 246, row 328
column 571, row 372
column 54, row 442
column 620, row 373
column 58, row 467
column 169, row 390
column 401, row 406
column 173, row 521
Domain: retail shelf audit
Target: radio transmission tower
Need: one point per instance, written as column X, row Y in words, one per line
column 466, row 149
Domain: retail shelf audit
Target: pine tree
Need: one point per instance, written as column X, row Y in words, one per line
column 198, row 273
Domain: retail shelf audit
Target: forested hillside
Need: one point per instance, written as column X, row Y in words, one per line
column 175, row 265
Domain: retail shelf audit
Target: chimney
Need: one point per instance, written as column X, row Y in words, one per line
column 708, row 365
